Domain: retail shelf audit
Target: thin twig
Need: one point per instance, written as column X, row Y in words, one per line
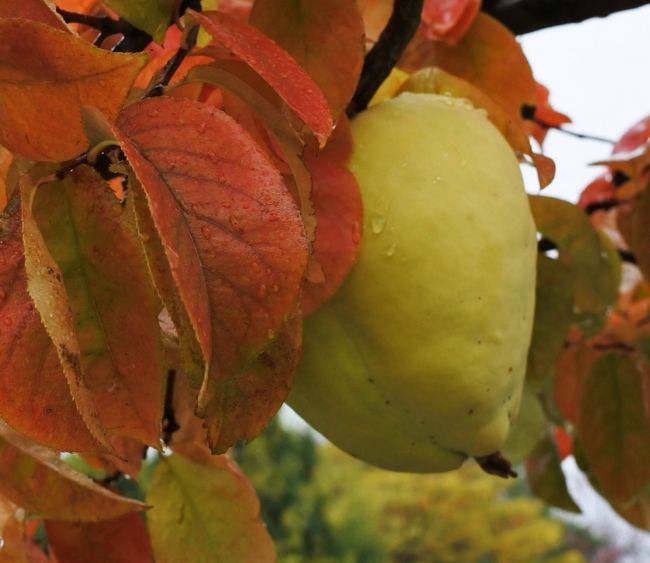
column 528, row 113
column 173, row 64
column 385, row 54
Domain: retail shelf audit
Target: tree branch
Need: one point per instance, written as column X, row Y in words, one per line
column 524, row 16
column 384, row 55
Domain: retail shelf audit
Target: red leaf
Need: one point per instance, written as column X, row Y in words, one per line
column 54, row 73
column 613, row 428
column 325, row 37
column 635, row 137
column 120, row 540
column 274, row 65
column 112, row 301
column 27, row 471
column 563, row 442
column 230, row 231
column 339, row 216
column 34, row 395
column 35, row 10
column 448, row 20
column 598, row 190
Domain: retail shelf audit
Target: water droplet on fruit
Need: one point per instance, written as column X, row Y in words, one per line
column 261, row 291
column 201, row 127
column 256, row 267
column 391, row 250
column 377, row 224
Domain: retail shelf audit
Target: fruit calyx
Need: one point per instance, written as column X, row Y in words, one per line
column 496, row 464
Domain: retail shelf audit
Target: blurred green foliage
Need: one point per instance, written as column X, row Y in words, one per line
column 322, row 506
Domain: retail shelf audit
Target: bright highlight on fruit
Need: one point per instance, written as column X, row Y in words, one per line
column 418, row 361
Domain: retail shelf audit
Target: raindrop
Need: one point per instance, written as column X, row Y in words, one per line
column 261, row 291
column 275, row 288
column 377, row 224
column 256, row 267
column 7, row 322
column 356, row 232
column 206, row 232
column 391, row 250
column 201, row 127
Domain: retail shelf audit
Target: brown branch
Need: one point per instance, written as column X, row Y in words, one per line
column 496, row 464
column 524, row 16
column 384, row 55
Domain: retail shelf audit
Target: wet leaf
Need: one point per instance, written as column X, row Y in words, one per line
column 273, row 64
column 205, row 511
column 34, row 395
column 488, row 56
column 230, row 232
column 152, row 16
column 55, row 74
column 28, row 470
column 120, row 540
column 247, row 403
column 598, row 190
column 635, row 137
column 325, row 38
column 339, row 217
column 581, row 249
column 545, row 477
column 553, row 316
column 613, row 428
column 113, row 304
column 43, row 11
column 288, row 143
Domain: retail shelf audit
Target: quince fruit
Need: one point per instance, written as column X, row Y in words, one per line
column 418, row 361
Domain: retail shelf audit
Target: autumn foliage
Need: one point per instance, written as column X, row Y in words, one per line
column 171, row 214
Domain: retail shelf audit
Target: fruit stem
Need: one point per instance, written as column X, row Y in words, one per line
column 385, row 54
column 496, row 464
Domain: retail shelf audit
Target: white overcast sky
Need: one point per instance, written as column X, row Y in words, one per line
column 598, row 72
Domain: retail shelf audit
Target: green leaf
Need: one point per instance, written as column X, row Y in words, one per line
column 614, row 429
column 152, row 16
column 595, row 269
column 553, row 316
column 205, row 512
column 545, row 476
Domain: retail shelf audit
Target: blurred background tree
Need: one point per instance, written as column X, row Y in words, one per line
column 322, row 506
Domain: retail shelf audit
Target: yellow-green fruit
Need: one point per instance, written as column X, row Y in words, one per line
column 418, row 360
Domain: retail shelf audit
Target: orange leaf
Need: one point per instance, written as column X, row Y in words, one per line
column 230, row 232
column 46, row 72
column 488, row 56
column 111, row 300
column 120, row 540
column 634, row 225
column 339, row 217
column 34, row 394
column 545, row 167
column 36, row 10
column 546, row 114
column 598, row 190
column 448, row 20
column 282, row 73
column 325, row 37
column 570, row 368
column 635, row 137
column 36, row 479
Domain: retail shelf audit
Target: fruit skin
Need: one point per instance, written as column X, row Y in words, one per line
column 418, row 361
